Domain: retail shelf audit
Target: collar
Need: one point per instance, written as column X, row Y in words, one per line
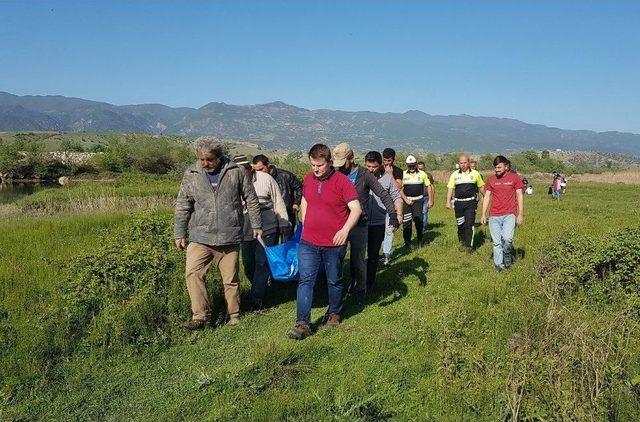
column 325, row 176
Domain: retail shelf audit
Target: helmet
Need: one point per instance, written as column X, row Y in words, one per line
column 411, row 159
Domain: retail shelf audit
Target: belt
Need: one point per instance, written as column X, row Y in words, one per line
column 415, row 198
column 473, row 198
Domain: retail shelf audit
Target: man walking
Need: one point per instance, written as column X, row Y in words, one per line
column 462, row 191
column 504, row 196
column 425, row 204
column 290, row 186
column 209, row 207
column 275, row 221
column 388, row 160
column 379, row 218
column 414, row 184
column 329, row 210
column 364, row 182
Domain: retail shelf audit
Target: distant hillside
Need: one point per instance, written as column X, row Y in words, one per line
column 281, row 126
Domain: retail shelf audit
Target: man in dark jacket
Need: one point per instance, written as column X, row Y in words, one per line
column 290, row 185
column 210, row 208
column 364, row 182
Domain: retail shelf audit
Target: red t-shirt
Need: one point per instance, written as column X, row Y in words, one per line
column 503, row 196
column 327, row 209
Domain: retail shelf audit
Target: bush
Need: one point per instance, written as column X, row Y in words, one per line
column 123, row 293
column 610, row 263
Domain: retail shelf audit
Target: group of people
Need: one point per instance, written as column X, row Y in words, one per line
column 558, row 186
column 230, row 207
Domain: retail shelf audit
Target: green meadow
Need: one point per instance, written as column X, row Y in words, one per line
column 91, row 293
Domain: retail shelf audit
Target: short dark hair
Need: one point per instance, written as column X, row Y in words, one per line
column 501, row 159
column 260, row 158
column 389, row 153
column 373, row 156
column 320, row 151
column 421, row 162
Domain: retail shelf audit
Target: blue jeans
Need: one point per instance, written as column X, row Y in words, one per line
column 310, row 258
column 425, row 214
column 502, row 229
column 256, row 267
column 387, row 243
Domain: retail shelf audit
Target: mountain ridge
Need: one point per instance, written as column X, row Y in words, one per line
column 278, row 125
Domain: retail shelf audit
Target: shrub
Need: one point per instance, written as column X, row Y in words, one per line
column 609, row 263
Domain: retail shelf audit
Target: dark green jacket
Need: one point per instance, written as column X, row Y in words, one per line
column 215, row 217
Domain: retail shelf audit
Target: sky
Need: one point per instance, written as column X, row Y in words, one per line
column 569, row 64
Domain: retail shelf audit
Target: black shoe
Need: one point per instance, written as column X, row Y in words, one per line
column 508, row 260
column 499, row 268
column 469, row 249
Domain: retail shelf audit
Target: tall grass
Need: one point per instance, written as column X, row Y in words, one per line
column 443, row 337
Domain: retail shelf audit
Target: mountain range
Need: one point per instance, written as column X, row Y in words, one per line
column 278, row 125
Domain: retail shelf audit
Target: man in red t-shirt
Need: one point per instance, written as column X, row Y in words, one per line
column 504, row 194
column 329, row 210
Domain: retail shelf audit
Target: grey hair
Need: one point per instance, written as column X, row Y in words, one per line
column 209, row 145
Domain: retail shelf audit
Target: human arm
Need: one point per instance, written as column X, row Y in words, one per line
column 397, row 201
column 486, row 201
column 449, row 196
column 372, row 183
column 303, row 209
column 296, row 188
column 520, row 215
column 251, row 202
column 431, row 195
column 182, row 213
column 340, row 238
column 279, row 207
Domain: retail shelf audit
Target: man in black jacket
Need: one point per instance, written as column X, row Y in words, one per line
column 364, row 181
column 290, row 185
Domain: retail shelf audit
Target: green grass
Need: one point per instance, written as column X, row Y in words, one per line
column 430, row 345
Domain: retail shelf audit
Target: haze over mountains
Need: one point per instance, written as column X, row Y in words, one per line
column 281, row 126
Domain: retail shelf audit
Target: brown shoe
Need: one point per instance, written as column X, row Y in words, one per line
column 333, row 320
column 195, row 324
column 300, row 331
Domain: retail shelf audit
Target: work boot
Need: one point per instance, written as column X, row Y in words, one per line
column 195, row 324
column 300, row 331
column 333, row 320
column 233, row 320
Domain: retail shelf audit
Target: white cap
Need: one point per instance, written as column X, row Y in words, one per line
column 411, row 159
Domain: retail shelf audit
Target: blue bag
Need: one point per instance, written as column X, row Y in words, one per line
column 283, row 258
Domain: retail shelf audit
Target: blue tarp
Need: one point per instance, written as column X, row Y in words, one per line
column 283, row 258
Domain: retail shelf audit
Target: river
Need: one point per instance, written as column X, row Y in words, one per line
column 11, row 192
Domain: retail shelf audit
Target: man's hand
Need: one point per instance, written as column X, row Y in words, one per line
column 296, row 207
column 408, row 201
column 180, row 244
column 394, row 221
column 447, row 205
column 340, row 237
column 257, row 233
column 483, row 220
column 430, row 204
column 519, row 220
column 388, row 169
column 400, row 220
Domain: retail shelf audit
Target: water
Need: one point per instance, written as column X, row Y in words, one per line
column 11, row 192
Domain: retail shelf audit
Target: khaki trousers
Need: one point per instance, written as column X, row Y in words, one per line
column 199, row 259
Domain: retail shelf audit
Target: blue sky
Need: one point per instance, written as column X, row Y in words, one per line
column 573, row 64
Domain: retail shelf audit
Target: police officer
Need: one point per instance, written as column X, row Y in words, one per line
column 463, row 188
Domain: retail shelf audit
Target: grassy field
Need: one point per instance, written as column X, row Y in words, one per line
column 443, row 336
